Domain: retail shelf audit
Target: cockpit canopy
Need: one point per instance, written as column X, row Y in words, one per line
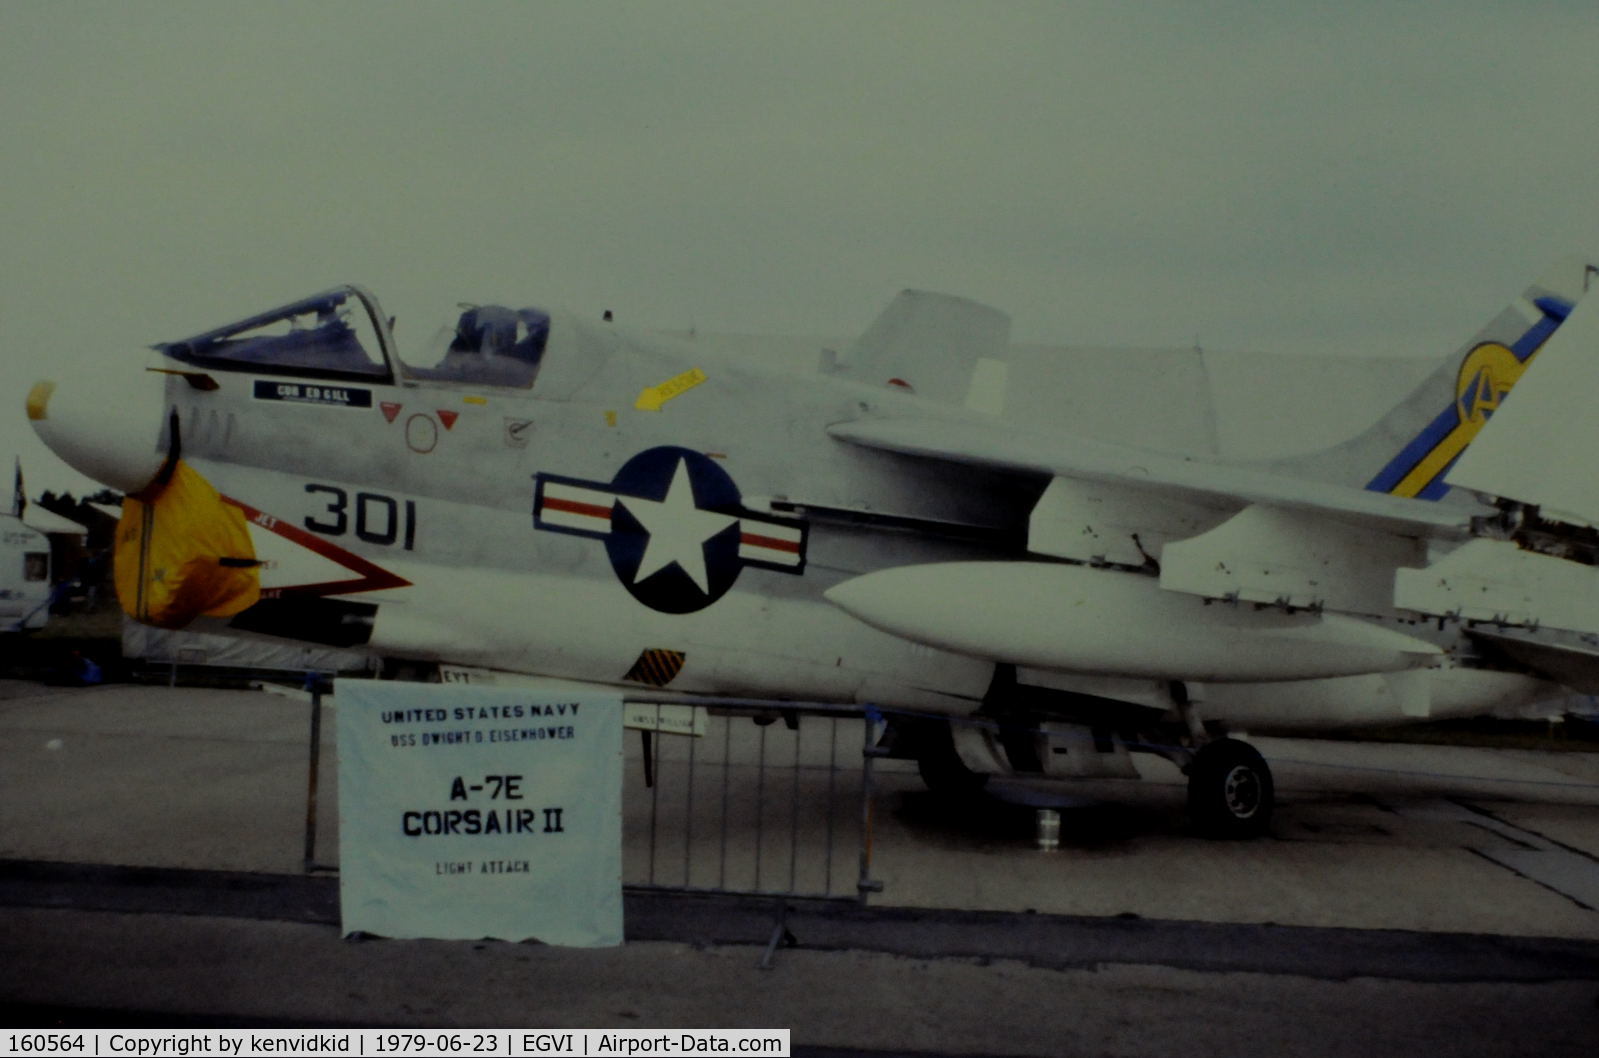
column 490, row 345
column 330, row 335
column 341, row 334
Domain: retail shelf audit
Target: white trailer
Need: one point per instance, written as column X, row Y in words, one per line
column 24, row 576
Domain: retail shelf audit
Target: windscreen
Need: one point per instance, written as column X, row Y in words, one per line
column 326, row 336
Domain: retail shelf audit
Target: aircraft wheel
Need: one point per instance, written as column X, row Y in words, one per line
column 941, row 767
column 1230, row 790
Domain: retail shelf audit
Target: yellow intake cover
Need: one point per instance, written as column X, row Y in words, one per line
column 183, row 551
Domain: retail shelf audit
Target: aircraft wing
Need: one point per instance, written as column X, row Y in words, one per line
column 1317, row 558
column 995, row 446
column 1214, row 531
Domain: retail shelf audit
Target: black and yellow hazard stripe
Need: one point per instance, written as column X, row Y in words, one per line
column 656, row 668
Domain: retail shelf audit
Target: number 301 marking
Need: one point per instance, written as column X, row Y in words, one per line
column 379, row 519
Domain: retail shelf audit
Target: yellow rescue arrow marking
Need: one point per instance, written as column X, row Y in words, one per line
column 653, row 397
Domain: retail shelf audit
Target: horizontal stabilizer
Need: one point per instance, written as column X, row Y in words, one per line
column 1569, row 658
column 1496, row 581
column 1536, row 447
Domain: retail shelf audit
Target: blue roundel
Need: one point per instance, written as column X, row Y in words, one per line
column 674, row 527
column 674, row 536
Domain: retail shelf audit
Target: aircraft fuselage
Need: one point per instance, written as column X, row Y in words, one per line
column 713, row 524
column 629, row 510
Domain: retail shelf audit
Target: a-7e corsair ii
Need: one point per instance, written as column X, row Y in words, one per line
column 550, row 494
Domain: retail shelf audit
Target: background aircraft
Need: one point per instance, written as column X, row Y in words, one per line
column 548, row 494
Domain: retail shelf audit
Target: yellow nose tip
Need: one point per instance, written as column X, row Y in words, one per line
column 103, row 424
column 39, row 400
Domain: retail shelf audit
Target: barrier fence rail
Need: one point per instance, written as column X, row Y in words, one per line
column 767, row 801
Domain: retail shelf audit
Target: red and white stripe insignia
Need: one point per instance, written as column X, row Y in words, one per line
column 764, row 541
column 703, row 544
column 567, row 506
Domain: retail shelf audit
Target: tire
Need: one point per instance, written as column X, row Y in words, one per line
column 1230, row 791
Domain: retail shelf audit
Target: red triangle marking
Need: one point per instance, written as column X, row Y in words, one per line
column 448, row 417
column 369, row 576
column 390, row 409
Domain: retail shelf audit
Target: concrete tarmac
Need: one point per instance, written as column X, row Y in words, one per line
column 1433, row 856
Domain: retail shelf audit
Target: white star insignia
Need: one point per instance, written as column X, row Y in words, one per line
column 678, row 530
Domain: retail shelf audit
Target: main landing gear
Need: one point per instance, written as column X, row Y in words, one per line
column 1230, row 788
column 943, row 771
column 1230, row 792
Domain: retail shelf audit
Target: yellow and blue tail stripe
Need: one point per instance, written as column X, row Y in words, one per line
column 1486, row 374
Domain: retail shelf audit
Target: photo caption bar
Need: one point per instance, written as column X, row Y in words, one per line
column 501, row 1043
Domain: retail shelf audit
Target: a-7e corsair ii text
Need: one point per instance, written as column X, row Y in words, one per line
column 551, row 494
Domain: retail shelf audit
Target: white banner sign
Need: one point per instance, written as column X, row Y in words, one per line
column 470, row 812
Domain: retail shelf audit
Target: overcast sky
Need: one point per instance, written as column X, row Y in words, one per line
column 1362, row 178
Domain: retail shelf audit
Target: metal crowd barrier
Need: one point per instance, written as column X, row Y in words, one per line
column 758, row 800
column 764, row 802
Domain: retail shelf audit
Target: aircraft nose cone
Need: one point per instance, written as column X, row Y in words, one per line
column 107, row 426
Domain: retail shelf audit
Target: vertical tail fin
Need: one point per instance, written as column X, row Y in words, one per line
column 1408, row 451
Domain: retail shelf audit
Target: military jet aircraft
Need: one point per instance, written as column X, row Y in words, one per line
column 544, row 493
